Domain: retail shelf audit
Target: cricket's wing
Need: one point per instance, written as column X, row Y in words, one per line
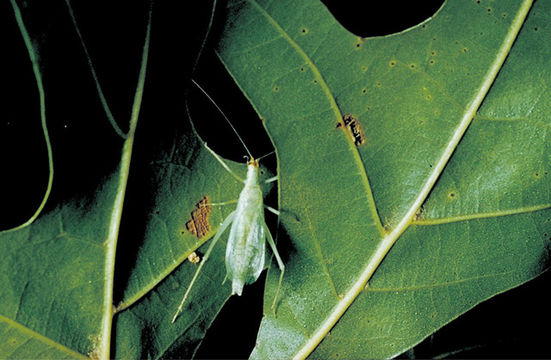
column 246, row 249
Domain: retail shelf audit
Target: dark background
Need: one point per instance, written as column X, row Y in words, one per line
column 511, row 325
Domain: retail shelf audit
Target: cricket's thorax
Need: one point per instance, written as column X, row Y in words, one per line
column 245, row 252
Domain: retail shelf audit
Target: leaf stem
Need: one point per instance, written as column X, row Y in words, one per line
column 114, row 225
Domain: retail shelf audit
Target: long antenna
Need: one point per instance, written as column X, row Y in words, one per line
column 225, row 117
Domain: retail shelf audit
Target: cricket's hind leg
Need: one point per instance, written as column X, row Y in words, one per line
column 223, row 227
column 279, row 264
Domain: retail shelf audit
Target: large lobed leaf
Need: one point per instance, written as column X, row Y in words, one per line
column 462, row 188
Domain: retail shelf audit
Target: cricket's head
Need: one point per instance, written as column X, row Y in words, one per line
column 252, row 163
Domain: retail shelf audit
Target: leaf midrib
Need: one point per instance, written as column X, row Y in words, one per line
column 390, row 238
column 116, row 215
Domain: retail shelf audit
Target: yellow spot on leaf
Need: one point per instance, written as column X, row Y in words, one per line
column 194, row 258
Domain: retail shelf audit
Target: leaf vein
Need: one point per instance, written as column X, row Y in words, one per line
column 468, row 217
column 437, row 285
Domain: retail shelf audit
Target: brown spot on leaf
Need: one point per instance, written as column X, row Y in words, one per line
column 354, row 129
column 199, row 224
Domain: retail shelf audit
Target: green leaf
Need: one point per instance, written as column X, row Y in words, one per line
column 57, row 273
column 458, row 188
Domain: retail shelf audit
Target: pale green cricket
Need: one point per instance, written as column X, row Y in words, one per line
column 246, row 247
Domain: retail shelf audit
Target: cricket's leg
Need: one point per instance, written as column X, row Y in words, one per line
column 272, row 179
column 279, row 263
column 223, row 227
column 223, row 163
column 272, row 210
column 229, row 202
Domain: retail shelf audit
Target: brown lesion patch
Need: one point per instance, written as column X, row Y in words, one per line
column 199, row 224
column 353, row 127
